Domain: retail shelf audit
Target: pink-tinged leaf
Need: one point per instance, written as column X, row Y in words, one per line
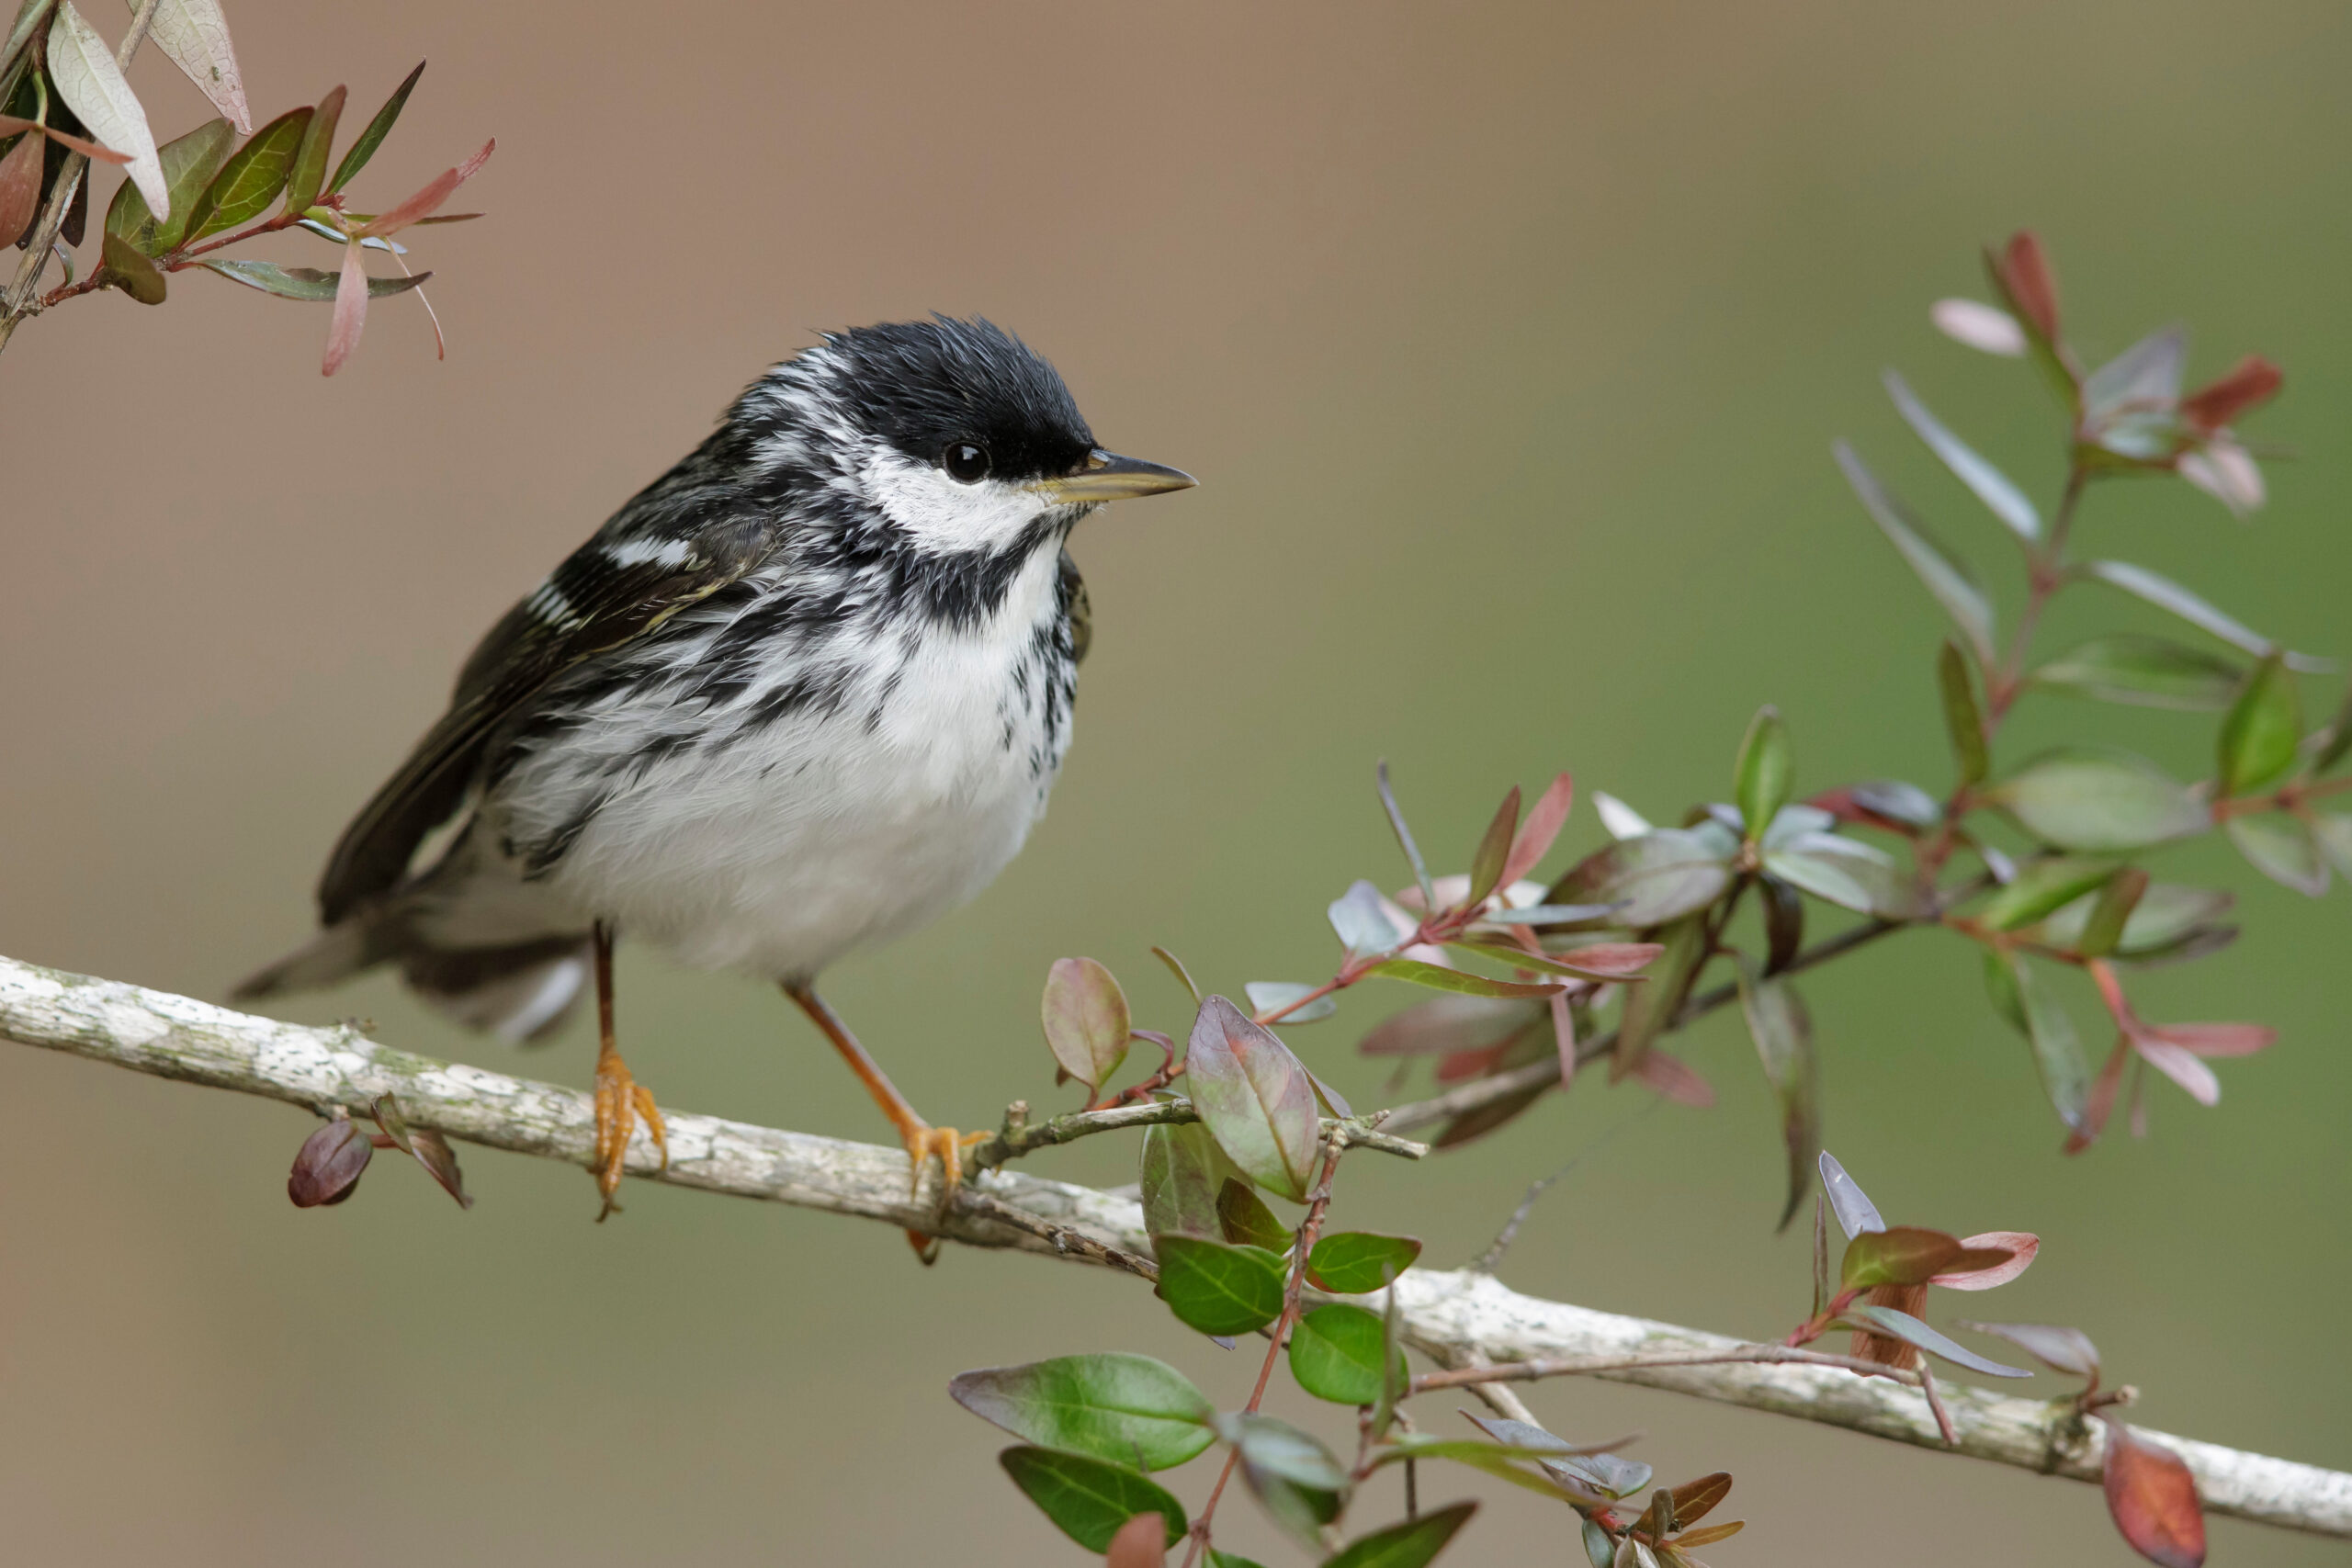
column 2182, row 1067
column 2060, row 1350
column 2152, row 1497
column 1254, row 1096
column 2251, row 382
column 442, row 187
column 1675, row 1080
column 2099, row 1104
column 1612, row 958
column 2021, row 1246
column 350, row 311
column 1545, row 820
column 1564, row 1035
column 1471, row 1064
column 1449, row 1024
column 2027, row 273
column 1493, row 851
column 2216, row 1038
column 2226, row 471
column 10, row 125
column 1086, row 1021
column 19, row 188
column 1986, row 327
column 328, row 1166
column 440, row 1162
column 1142, row 1542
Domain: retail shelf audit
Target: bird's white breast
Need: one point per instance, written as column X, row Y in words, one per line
column 845, row 823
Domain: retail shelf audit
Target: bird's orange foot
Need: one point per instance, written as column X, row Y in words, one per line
column 922, row 1143
column 621, row 1104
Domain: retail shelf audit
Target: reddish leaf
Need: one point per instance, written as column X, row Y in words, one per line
column 1564, row 1036
column 2153, row 1498
column 2027, row 273
column 350, row 311
column 2215, row 1038
column 1966, row 1274
column 1694, row 1499
column 1612, row 958
column 1448, row 1025
column 1545, row 819
column 1086, row 1021
column 1472, row 1063
column 2099, row 1104
column 1493, row 850
column 19, row 188
column 1142, row 1542
column 1673, row 1078
column 1254, row 1096
column 425, row 202
column 2251, row 382
column 2182, row 1068
column 10, row 125
column 1712, row 1534
column 432, row 1151
column 328, row 1166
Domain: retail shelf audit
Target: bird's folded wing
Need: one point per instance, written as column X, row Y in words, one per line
column 610, row 592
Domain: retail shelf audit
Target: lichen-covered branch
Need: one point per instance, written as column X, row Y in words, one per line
column 1464, row 1318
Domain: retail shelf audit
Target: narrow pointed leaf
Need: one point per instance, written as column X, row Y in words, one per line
column 1986, row 327
column 2282, row 848
column 1493, row 850
column 194, row 35
column 2093, row 799
column 249, row 183
column 1651, row 1007
column 440, row 1162
column 1992, row 487
column 2111, row 913
column 1848, row 872
column 372, row 137
column 2145, row 671
column 1542, row 826
column 1128, row 1409
column 1945, row 575
column 428, row 200
column 306, row 283
column 1438, row 978
column 2048, row 1029
column 1694, row 1500
column 81, row 69
column 1783, row 1031
column 307, row 175
column 1408, row 1545
column 2339, row 737
column 2060, row 1350
column 1619, row 819
column 350, row 312
column 2265, row 729
column 1963, row 717
column 1855, row 1211
column 2170, row 596
column 1761, row 778
column 1973, row 1272
column 2043, row 886
column 1089, row 1499
column 1405, row 837
column 1911, row 1331
column 189, row 164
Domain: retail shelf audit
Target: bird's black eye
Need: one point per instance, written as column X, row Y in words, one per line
column 965, row 463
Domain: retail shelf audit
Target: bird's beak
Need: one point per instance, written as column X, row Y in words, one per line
column 1107, row 476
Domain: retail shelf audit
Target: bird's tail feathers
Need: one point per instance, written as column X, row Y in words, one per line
column 520, row 991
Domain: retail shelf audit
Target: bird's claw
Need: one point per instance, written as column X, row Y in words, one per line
column 923, row 1142
column 621, row 1104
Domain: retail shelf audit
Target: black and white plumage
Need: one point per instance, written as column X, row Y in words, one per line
column 805, row 691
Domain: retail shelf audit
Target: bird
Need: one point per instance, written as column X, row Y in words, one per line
column 804, row 693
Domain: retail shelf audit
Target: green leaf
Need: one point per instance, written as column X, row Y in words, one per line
column 1760, row 779
column 1335, row 1355
column 1392, row 1345
column 1911, row 1331
column 1254, row 1096
column 1502, row 1461
column 1656, row 877
column 1947, row 577
column 1963, row 717
column 1650, row 1007
column 1294, row 1476
column 301, row 282
column 252, row 178
column 2282, row 848
column 1992, row 487
column 1440, row 978
column 1405, row 837
column 1493, row 850
column 2339, row 739
column 1611, row 1475
column 2263, row 731
column 2335, row 834
column 1247, row 1221
column 308, row 170
column 2170, row 596
column 1848, row 872
column 1902, row 1254
column 1227, row 1559
column 1216, row 1288
column 2144, row 671
column 1407, row 1545
column 1783, row 923
column 1128, row 1409
column 1349, row 1263
column 1086, row 1021
column 2165, row 913
column 2111, row 913
column 377, row 128
column 2086, row 798
column 2048, row 1029
column 1783, row 1031
column 126, row 269
column 1090, row 1498
column 1273, row 996
column 1183, row 1171
column 189, row 164
column 2042, row 886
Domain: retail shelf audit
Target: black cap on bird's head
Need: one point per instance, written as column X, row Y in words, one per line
column 965, row 406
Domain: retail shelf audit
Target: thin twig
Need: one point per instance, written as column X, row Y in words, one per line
column 1013, row 1139
column 1575, row 1366
column 1067, row 1240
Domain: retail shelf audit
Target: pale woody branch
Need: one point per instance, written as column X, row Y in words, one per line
column 1460, row 1319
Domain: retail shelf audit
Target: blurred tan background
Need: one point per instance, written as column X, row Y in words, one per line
column 1509, row 344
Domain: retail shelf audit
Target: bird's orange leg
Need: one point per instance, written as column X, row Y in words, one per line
column 621, row 1100
column 922, row 1139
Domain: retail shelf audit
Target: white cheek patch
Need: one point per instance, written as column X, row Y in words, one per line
column 940, row 512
